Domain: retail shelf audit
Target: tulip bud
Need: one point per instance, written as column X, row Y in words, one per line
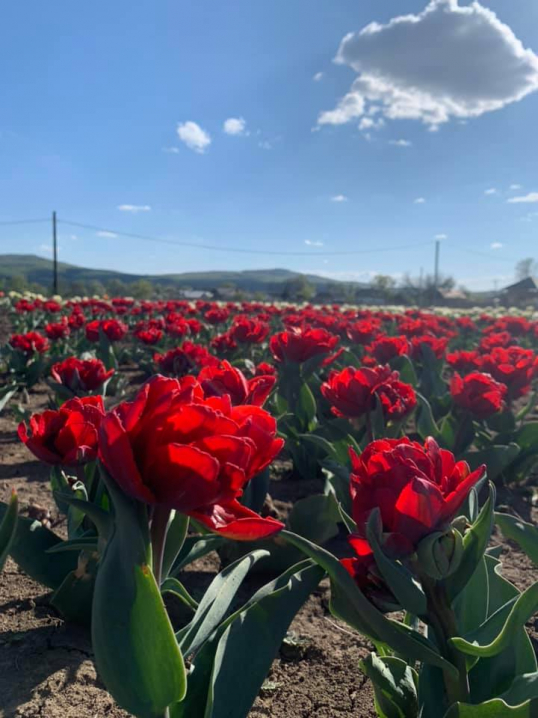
column 440, row 553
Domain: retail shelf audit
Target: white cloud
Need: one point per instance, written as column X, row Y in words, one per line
column 496, row 245
column 134, row 208
column 339, row 198
column 371, row 123
column 530, row 198
column 235, row 126
column 400, row 143
column 441, row 236
column 490, row 191
column 318, row 76
column 311, row 243
column 265, row 145
column 193, row 136
column 420, row 200
column 171, row 150
column 106, row 235
column 447, row 62
column 515, row 187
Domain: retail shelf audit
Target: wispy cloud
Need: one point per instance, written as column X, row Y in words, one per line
column 490, row 191
column 339, row 198
column 318, row 76
column 134, row 208
column 107, row 235
column 171, row 150
column 419, row 200
column 496, row 245
column 235, row 126
column 515, row 187
column 400, row 143
column 192, row 135
column 530, row 198
column 311, row 243
column 441, row 236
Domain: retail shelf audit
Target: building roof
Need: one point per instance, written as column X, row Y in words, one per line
column 527, row 284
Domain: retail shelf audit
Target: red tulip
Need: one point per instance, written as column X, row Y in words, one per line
column 464, row 361
column 352, row 392
column 81, row 375
column 249, row 331
column 387, row 348
column 175, row 448
column 478, row 393
column 513, row 366
column 29, row 342
column 300, row 345
column 57, row 330
column 112, row 328
column 226, row 379
column 418, row 489
column 67, row 437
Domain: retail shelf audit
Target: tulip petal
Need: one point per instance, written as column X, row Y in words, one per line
column 237, row 522
column 117, row 456
column 418, row 510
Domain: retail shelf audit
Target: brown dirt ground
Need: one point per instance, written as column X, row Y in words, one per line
column 46, row 667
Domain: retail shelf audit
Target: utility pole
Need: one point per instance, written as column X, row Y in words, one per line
column 54, row 255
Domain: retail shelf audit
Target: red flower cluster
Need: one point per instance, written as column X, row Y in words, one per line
column 57, row 330
column 113, row 329
column 299, row 345
column 478, row 393
column 29, row 342
column 249, row 331
column 184, row 359
column 176, row 448
column 352, row 392
column 81, row 376
column 418, row 489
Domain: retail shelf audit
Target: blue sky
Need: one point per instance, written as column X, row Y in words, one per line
column 99, row 99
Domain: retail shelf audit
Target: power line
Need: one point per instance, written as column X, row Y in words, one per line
column 23, row 221
column 238, row 250
column 481, row 254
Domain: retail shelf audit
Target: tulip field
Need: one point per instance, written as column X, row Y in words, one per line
column 222, row 510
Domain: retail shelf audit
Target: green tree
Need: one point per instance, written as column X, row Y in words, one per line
column 141, row 289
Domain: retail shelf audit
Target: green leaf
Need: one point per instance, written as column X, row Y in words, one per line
column 132, row 635
column 523, row 608
column 196, row 547
column 216, row 602
column 228, row 673
column 6, row 393
column 84, row 543
column 527, row 436
column 524, row 688
column 8, row 527
column 306, row 405
column 496, row 458
column 394, row 683
column 523, row 533
column 496, row 708
column 400, row 580
column 101, row 518
column 475, row 542
column 74, row 598
column 406, row 368
column 503, row 422
column 30, row 551
column 175, row 539
column 426, row 425
column 172, row 585
column 322, row 443
column 377, row 421
column 351, row 605
column 315, row 517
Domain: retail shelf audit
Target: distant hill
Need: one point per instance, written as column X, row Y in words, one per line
column 39, row 270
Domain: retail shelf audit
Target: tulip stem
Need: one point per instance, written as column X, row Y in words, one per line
column 159, row 529
column 443, row 622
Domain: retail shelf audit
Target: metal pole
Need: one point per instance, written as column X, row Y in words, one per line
column 54, row 254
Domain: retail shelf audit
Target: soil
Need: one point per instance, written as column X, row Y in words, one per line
column 46, row 667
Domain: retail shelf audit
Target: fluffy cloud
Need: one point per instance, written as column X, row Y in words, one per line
column 447, row 62
column 496, row 245
column 490, row 191
column 235, row 126
column 134, row 208
column 530, row 198
column 420, row 200
column 193, row 136
column 339, row 198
